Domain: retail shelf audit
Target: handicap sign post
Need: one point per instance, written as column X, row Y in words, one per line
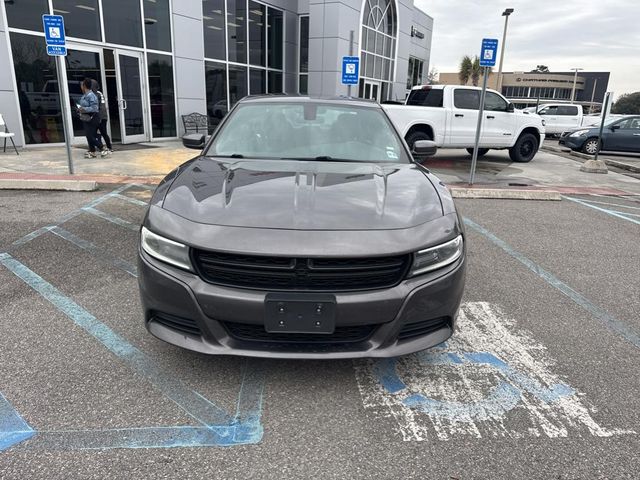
column 57, row 47
column 488, row 54
column 350, row 71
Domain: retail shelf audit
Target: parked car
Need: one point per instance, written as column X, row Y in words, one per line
column 560, row 117
column 448, row 115
column 619, row 135
column 304, row 229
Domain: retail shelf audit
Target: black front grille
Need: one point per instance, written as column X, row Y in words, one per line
column 183, row 325
column 287, row 273
column 257, row 333
column 417, row 329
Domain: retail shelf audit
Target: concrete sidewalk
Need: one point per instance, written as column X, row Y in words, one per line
column 624, row 161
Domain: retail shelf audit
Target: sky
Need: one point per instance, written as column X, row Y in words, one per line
column 597, row 35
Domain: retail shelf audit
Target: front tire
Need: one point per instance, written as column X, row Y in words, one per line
column 591, row 146
column 412, row 138
column 481, row 151
column 525, row 148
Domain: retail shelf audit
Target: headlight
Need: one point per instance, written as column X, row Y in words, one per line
column 165, row 250
column 579, row 133
column 437, row 257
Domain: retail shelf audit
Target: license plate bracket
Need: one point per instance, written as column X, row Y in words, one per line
column 300, row 313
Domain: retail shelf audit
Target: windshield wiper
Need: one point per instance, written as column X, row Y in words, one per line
column 321, row 158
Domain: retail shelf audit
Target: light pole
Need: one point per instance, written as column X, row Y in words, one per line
column 505, row 14
column 575, row 80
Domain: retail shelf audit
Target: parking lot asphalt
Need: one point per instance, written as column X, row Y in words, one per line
column 539, row 381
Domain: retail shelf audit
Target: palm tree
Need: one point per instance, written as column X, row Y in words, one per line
column 466, row 67
column 476, row 71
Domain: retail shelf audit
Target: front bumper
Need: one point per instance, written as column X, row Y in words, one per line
column 182, row 309
column 574, row 143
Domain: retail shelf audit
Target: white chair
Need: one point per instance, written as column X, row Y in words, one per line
column 7, row 134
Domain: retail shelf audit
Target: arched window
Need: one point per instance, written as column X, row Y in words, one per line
column 378, row 45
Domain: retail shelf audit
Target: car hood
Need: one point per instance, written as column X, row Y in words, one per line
column 303, row 195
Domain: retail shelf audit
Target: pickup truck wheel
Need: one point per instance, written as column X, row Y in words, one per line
column 591, row 146
column 416, row 136
column 525, row 148
column 481, row 151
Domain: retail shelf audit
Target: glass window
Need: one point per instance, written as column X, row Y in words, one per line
column 548, row 111
column 81, row 18
column 257, row 81
column 257, row 34
column 80, row 65
column 466, row 98
column 213, row 24
column 237, row 30
column 304, row 85
column 237, row 83
column 275, row 82
column 426, row 97
column 495, row 103
column 37, row 90
column 162, row 100
column 123, row 22
column 567, row 110
column 378, row 41
column 157, row 25
column 26, row 14
column 309, row 130
column 216, row 86
column 275, row 28
column 304, row 44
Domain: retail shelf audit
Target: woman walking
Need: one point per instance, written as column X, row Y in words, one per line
column 106, row 149
column 89, row 112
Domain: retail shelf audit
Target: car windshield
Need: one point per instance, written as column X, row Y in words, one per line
column 309, row 131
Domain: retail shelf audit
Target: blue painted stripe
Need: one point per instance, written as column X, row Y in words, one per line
column 604, row 210
column 96, row 251
column 13, row 429
column 153, row 437
column 191, row 402
column 603, row 316
column 131, row 200
column 249, row 408
column 385, row 371
column 112, row 218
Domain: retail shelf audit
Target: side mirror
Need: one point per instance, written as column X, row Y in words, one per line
column 194, row 140
column 424, row 149
column 615, row 127
column 511, row 108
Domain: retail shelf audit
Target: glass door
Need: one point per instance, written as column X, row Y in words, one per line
column 131, row 104
column 372, row 90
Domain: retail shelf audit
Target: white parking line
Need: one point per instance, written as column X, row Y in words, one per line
column 487, row 381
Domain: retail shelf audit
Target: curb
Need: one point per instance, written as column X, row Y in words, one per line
column 551, row 148
column 623, row 166
column 581, row 155
column 47, row 184
column 505, row 194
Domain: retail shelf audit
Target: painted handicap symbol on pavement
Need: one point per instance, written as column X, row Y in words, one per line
column 485, row 381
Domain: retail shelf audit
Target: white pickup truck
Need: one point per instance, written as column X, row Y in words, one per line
column 448, row 115
column 560, row 117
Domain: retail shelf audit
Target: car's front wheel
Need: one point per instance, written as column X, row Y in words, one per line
column 525, row 148
column 591, row 146
column 481, row 151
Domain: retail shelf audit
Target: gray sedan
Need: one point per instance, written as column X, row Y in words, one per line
column 619, row 135
column 304, row 229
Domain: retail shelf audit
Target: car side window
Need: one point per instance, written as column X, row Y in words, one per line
column 495, row 103
column 635, row 124
column 548, row 111
column 624, row 124
column 466, row 99
column 568, row 110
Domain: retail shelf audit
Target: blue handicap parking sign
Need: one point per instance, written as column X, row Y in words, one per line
column 54, row 29
column 489, row 52
column 350, row 70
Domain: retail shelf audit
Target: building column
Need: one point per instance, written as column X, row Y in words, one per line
column 9, row 106
column 188, row 54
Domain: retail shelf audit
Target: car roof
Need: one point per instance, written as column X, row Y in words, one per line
column 286, row 98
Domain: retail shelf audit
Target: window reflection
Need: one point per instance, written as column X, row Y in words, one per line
column 257, row 34
column 213, row 25
column 123, row 22
column 236, row 27
column 216, row 86
column 81, row 18
column 163, row 109
column 257, row 81
column 275, row 38
column 38, row 92
column 237, row 83
column 26, row 14
column 157, row 25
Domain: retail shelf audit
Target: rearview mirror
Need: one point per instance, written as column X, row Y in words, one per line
column 194, row 140
column 424, row 149
column 511, row 108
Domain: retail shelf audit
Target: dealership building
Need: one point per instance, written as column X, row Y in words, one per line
column 157, row 60
column 525, row 89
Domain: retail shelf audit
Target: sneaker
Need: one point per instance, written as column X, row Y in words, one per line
column 90, row 155
column 104, row 152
